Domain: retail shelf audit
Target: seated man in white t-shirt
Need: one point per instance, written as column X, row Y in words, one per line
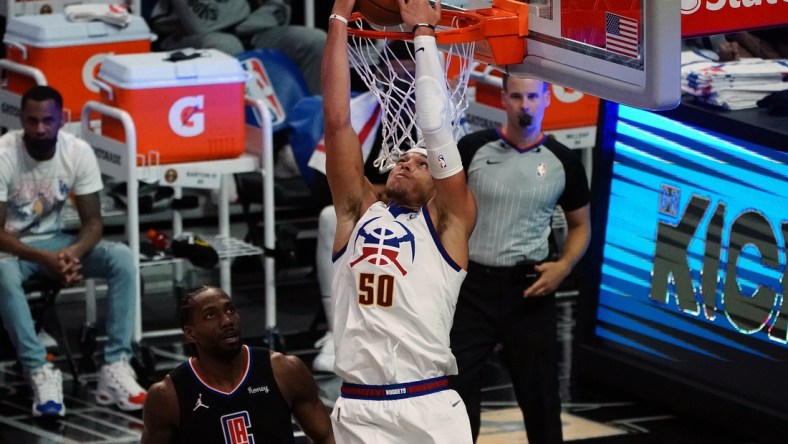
column 40, row 168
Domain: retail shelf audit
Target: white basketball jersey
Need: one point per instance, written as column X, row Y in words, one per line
column 394, row 293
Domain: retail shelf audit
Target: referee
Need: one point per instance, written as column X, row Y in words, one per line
column 518, row 176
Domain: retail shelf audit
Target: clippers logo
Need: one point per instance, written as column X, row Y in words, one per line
column 187, row 116
column 236, row 428
column 692, row 6
column 260, row 86
column 382, row 246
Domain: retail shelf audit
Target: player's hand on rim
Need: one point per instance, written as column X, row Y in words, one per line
column 414, row 12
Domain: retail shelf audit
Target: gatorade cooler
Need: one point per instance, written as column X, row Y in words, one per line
column 69, row 53
column 187, row 106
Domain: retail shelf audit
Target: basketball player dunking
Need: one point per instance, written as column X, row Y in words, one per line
column 398, row 267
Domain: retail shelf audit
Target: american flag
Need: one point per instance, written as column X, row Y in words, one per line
column 621, row 35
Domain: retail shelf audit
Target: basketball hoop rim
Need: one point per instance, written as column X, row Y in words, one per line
column 464, row 34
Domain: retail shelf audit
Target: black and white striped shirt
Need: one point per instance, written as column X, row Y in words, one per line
column 517, row 190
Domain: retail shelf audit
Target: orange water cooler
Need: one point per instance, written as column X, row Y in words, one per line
column 69, row 53
column 187, row 106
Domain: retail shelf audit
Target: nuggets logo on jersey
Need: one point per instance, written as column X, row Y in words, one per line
column 382, row 245
column 236, row 428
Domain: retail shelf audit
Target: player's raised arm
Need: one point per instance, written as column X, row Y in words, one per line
column 351, row 191
column 453, row 202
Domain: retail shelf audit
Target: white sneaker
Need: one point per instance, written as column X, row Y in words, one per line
column 47, row 384
column 324, row 361
column 118, row 385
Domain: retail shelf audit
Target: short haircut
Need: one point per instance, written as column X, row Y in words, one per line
column 185, row 302
column 506, row 76
column 41, row 93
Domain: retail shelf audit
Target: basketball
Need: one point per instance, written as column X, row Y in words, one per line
column 380, row 12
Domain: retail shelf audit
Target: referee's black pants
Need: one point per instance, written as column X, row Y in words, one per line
column 491, row 310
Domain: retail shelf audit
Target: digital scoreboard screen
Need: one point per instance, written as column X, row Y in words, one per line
column 691, row 281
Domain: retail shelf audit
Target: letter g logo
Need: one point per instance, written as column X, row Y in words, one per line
column 187, row 116
column 90, row 69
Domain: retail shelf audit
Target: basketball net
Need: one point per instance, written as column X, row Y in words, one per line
column 391, row 77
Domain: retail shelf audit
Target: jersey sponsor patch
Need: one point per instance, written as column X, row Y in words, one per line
column 262, row 389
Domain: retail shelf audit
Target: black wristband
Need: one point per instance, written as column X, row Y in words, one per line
column 425, row 25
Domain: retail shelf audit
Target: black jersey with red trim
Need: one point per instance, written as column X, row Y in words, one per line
column 254, row 412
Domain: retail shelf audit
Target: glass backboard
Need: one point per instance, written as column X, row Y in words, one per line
column 627, row 51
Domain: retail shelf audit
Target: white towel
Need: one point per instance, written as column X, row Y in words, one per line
column 742, row 97
column 113, row 14
column 732, row 85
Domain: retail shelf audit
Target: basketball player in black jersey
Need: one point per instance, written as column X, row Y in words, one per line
column 229, row 392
